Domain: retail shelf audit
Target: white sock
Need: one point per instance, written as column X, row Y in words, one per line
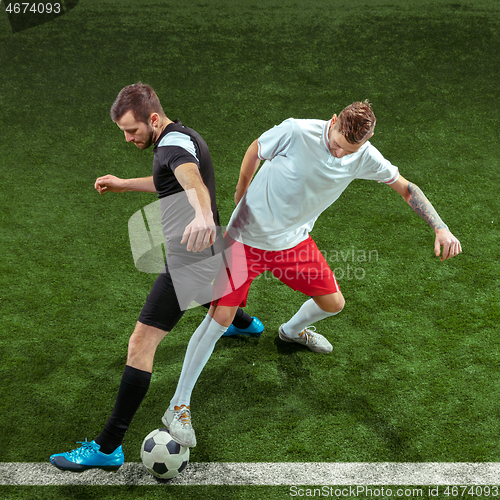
column 198, row 352
column 195, row 339
column 309, row 313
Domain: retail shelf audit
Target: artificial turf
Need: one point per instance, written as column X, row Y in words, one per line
column 414, row 372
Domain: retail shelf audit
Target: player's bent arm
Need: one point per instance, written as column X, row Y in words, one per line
column 414, row 196
column 249, row 166
column 417, row 200
column 190, row 179
column 200, row 233
column 116, row 185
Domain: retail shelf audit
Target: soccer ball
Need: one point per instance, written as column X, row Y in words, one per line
column 162, row 456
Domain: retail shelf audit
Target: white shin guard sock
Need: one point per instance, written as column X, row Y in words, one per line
column 199, row 349
column 308, row 314
column 195, row 340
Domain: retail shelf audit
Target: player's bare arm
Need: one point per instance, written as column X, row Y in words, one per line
column 249, row 166
column 417, row 200
column 200, row 233
column 116, row 185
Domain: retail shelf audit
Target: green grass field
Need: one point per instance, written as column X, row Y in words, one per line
column 414, row 376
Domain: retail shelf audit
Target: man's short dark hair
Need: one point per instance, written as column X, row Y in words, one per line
column 139, row 98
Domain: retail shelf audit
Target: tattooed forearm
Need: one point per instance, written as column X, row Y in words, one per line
column 422, row 206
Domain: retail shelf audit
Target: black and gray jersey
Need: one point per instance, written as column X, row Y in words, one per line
column 176, row 146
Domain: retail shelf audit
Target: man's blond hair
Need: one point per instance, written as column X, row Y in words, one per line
column 356, row 122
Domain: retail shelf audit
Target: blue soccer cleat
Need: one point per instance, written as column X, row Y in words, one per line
column 88, row 456
column 255, row 329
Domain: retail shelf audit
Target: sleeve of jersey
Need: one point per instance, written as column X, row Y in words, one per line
column 276, row 141
column 375, row 167
column 176, row 149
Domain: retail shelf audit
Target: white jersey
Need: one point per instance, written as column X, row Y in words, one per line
column 299, row 179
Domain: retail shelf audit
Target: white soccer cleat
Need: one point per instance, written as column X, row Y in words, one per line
column 308, row 337
column 178, row 423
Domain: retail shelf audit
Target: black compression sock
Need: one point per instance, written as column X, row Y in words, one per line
column 133, row 387
column 242, row 319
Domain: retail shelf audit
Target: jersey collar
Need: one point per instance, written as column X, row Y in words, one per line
column 166, row 130
column 326, row 128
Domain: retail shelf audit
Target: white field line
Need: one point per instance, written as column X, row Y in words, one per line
column 265, row 474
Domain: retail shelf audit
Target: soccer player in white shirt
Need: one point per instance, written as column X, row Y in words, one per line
column 308, row 164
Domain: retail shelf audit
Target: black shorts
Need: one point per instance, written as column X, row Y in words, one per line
column 161, row 309
column 186, row 278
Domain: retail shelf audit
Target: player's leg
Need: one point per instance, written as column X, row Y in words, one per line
column 231, row 290
column 142, row 346
column 105, row 452
column 304, row 268
column 299, row 328
column 133, row 386
column 193, row 276
column 313, row 310
column 159, row 315
column 201, row 345
column 243, row 324
column 331, row 303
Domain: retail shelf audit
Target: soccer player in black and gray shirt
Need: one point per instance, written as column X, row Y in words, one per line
column 183, row 177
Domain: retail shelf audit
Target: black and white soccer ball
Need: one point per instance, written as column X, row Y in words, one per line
column 162, row 456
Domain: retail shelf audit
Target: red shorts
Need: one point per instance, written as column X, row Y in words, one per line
column 302, row 268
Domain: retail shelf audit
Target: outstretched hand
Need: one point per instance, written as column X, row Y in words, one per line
column 109, row 183
column 450, row 245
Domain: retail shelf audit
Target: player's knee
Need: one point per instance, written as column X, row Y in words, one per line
column 337, row 304
column 138, row 350
column 135, row 344
column 340, row 305
column 333, row 304
column 224, row 315
column 144, row 340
